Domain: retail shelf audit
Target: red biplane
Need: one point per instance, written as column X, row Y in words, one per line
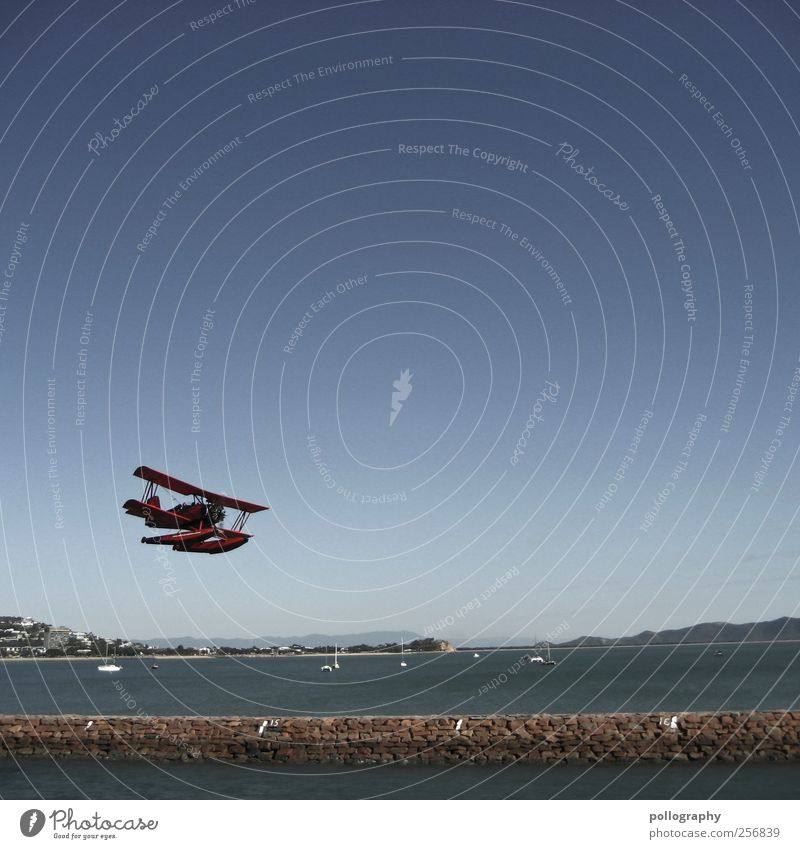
column 197, row 520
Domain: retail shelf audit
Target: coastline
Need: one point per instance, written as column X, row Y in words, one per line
column 160, row 657
column 465, row 650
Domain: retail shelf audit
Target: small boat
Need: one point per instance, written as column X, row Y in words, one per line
column 717, row 653
column 476, row 654
column 154, row 666
column 533, row 658
column 402, row 653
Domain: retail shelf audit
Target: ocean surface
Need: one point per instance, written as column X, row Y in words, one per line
column 664, row 678
column 39, row 778
column 668, row 678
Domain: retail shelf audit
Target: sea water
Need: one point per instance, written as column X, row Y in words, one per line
column 664, row 678
column 672, row 679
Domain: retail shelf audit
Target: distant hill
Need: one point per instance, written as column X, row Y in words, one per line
column 371, row 638
column 785, row 628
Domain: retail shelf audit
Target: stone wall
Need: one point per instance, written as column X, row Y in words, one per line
column 543, row 738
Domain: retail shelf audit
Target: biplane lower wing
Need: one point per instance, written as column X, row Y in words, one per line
column 154, row 517
column 227, row 541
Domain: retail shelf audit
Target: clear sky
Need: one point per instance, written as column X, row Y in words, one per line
column 227, row 233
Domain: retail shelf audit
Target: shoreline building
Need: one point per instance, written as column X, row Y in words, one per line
column 56, row 638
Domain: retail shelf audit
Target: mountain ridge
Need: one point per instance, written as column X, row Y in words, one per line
column 783, row 628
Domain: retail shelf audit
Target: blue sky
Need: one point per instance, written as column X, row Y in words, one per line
column 224, row 240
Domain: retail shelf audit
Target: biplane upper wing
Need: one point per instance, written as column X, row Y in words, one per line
column 183, row 488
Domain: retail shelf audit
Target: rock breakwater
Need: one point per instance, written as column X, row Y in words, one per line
column 543, row 738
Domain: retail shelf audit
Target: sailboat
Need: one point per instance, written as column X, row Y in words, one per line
column 402, row 653
column 109, row 667
column 533, row 658
column 549, row 661
column 335, row 656
column 327, row 667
